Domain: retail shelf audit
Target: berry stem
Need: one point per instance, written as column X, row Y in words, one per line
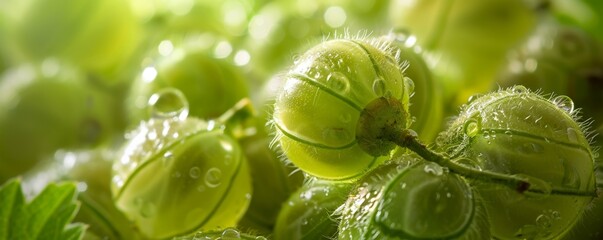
column 234, row 119
column 407, row 138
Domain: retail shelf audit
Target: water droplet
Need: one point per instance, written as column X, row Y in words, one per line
column 472, row 127
column 412, row 133
column 260, row 238
column 167, row 157
column 572, row 135
column 176, row 174
column 555, row 215
column 201, row 188
column 379, row 86
column 169, row 103
column 565, row 103
column 410, row 85
column 433, row 168
column 195, row 172
column 211, row 125
column 543, row 221
column 338, row 82
column 296, row 59
column 471, row 163
column 474, row 97
column 231, row 233
column 200, row 236
column 213, row 177
column 519, row 89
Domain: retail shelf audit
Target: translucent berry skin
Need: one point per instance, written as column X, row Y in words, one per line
column 44, row 111
column 412, row 201
column 515, row 131
column 211, row 86
column 96, row 35
column 427, row 106
column 273, row 181
column 317, row 111
column 559, row 59
column 470, row 39
column 176, row 177
column 307, row 214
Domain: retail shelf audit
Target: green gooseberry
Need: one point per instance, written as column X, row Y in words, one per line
column 412, row 199
column 468, row 40
column 281, row 29
column 317, row 113
column 560, row 59
column 518, row 132
column 97, row 35
column 178, row 175
column 426, row 101
column 273, row 181
column 225, row 18
column 276, row 32
column 211, row 85
column 308, row 213
column 91, row 169
column 48, row 107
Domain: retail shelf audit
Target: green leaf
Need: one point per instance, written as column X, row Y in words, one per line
column 47, row 216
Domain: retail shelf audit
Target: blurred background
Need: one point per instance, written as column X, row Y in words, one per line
column 78, row 75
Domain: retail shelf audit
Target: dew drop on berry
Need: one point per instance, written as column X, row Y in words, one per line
column 564, row 103
column 412, row 133
column 213, row 177
column 519, row 89
column 194, row 172
column 168, row 103
column 338, row 82
column 379, row 86
column 472, row 127
column 231, row 233
column 471, row 163
column 433, row 168
column 543, row 222
column 410, row 85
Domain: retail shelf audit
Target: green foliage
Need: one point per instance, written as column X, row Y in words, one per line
column 47, row 216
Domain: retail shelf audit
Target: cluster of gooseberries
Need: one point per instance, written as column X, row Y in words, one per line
column 221, row 131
